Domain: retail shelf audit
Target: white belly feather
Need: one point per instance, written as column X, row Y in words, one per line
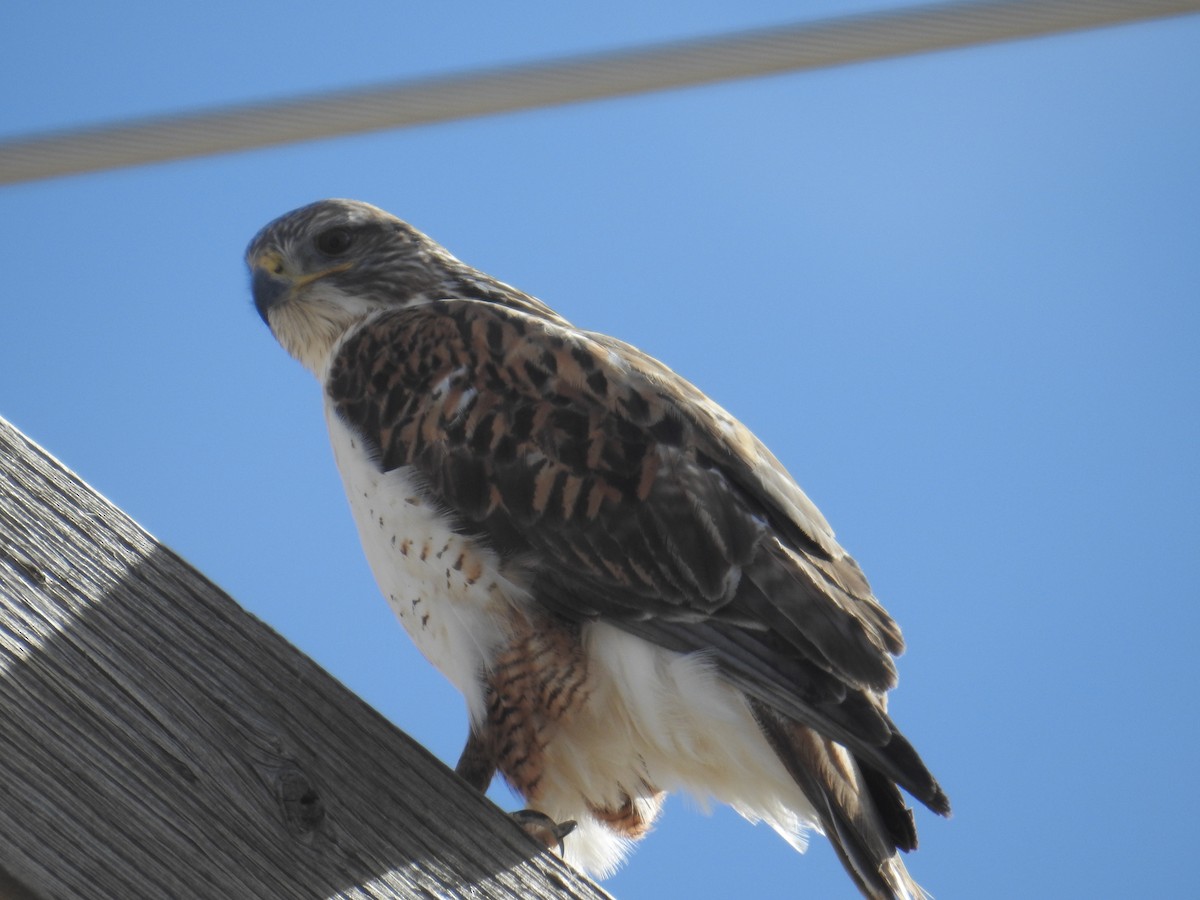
column 446, row 591
column 673, row 721
column 653, row 717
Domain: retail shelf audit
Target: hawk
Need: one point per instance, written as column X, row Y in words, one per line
column 630, row 591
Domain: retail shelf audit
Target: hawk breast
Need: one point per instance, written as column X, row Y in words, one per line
column 446, row 590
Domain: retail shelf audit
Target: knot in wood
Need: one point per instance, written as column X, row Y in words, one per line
column 303, row 808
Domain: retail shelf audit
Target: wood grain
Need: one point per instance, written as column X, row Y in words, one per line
column 158, row 741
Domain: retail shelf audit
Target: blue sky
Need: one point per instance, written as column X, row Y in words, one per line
column 956, row 294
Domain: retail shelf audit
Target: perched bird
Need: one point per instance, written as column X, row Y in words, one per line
column 630, row 591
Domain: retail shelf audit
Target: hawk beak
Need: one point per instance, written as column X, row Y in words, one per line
column 271, row 283
column 268, row 289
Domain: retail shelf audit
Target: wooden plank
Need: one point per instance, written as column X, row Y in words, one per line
column 156, row 740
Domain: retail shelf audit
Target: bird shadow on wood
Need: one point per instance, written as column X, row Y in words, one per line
column 158, row 740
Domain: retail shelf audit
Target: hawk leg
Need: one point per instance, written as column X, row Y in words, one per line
column 477, row 764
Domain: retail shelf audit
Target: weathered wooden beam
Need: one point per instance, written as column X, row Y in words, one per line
column 156, row 740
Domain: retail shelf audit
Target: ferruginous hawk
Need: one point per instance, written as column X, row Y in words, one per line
column 630, row 591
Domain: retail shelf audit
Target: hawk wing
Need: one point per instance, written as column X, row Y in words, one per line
column 620, row 492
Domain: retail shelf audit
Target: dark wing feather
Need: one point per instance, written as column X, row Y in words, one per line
column 624, row 493
column 861, row 812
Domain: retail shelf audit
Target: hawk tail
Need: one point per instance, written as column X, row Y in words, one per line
column 861, row 811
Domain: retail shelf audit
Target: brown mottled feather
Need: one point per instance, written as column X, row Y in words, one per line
column 535, row 683
column 627, row 819
column 641, row 501
column 534, row 686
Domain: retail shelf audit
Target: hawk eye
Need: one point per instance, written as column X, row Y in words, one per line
column 334, row 241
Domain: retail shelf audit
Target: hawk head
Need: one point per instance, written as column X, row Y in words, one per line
column 323, row 268
column 320, row 269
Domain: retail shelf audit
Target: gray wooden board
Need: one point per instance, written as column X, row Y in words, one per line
column 158, row 741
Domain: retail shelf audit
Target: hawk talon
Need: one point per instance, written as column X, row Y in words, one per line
column 544, row 829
